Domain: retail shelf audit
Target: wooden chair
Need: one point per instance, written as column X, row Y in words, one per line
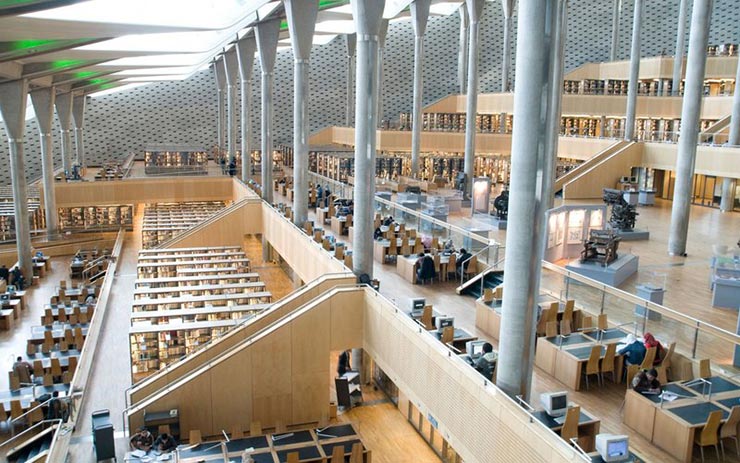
column 542, row 323
column 16, row 409
column 79, row 338
column 255, row 428
column 62, row 315
column 602, row 322
column 451, row 266
column 666, row 363
column 631, row 372
column 14, row 381
column 662, row 374
column 438, row 266
column 570, row 305
column 56, row 367
column 48, row 380
column 63, row 346
column 471, row 270
column 195, row 437
column 426, row 317
column 487, row 295
column 69, row 337
column 35, row 416
column 392, row 251
column 570, row 425
column 709, row 434
column 356, row 456
column 48, row 318
column 38, row 368
column 551, row 329
column 705, row 369
column 293, row 457
column 607, row 363
column 647, row 362
column 337, row 454
column 31, row 349
column 236, row 430
column 448, row 334
column 3, row 413
column 587, row 324
column 592, row 365
column 163, row 429
column 566, row 327
column 729, row 430
column 498, row 293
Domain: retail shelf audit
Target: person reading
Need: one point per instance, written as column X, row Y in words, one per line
column 165, row 443
column 646, row 382
column 142, row 440
column 425, row 269
column 486, row 363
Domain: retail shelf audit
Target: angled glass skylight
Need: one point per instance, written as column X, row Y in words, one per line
column 196, row 14
column 444, row 8
column 175, row 42
column 393, row 7
column 156, row 78
column 184, row 59
column 336, row 26
column 173, row 70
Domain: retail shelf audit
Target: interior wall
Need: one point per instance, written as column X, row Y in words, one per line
column 185, row 111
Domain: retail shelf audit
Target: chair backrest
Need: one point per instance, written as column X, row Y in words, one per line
column 195, row 437
column 48, row 379
column 36, row 415
column 607, row 363
column 603, row 324
column 729, row 428
column 56, row 367
column 498, row 293
column 647, row 362
column 669, row 353
column 337, row 454
column 566, row 327
column 570, row 425
column 705, row 369
column 552, row 314
column 472, row 267
column 255, row 428
column 487, row 294
column 438, row 264
column 709, row 434
column 72, row 364
column 393, row 248
column 38, row 368
column 592, row 366
column 551, row 329
column 236, row 432
column 587, row 323
column 426, row 317
column 662, row 374
column 14, row 381
column 570, row 305
column 452, row 263
column 163, row 429
column 631, row 372
column 448, row 334
column 16, row 409
column 3, row 412
column 356, row 456
column 293, row 457
column 542, row 323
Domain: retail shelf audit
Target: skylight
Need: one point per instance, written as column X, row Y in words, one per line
column 336, row 26
column 174, row 70
column 176, row 42
column 196, row 14
column 117, row 89
column 185, row 59
column 444, row 8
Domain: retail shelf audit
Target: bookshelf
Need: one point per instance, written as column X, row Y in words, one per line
column 162, row 221
column 96, row 218
column 175, row 161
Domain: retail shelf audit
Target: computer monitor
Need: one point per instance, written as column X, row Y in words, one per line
column 10, row 289
column 5, row 298
column 444, row 322
column 612, row 447
column 555, row 403
column 418, row 303
column 474, row 348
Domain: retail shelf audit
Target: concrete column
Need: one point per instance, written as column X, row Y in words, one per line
column 701, row 17
column 43, row 105
column 301, row 24
column 351, row 41
column 267, row 39
column 475, row 11
column 245, row 49
column 462, row 54
column 64, row 113
column 78, row 114
column 516, row 347
column 231, row 71
column 728, row 184
column 634, row 84
column 367, row 16
column 680, row 38
column 219, row 71
column 13, row 108
column 381, row 48
column 616, row 13
column 508, row 8
column 419, row 16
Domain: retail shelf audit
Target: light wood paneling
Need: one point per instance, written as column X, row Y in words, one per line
column 710, row 160
column 226, row 229
column 591, row 182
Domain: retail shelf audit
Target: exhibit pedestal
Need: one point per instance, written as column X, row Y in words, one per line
column 726, row 292
column 736, row 357
column 652, row 294
column 614, row 274
column 633, row 235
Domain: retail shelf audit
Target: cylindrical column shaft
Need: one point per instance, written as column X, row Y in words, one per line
column 516, row 347
column 727, row 201
column 66, row 139
column 231, row 121
column 634, row 83
column 20, row 203
column 475, row 8
column 221, row 121
column 350, row 88
column 267, row 136
column 680, row 39
column 416, row 115
column 506, row 58
column 690, row 113
column 300, row 142
column 47, row 176
column 616, row 12
column 462, row 59
column 246, row 126
column 80, row 146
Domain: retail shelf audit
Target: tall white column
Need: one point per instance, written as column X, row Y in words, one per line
column 64, row 113
column 367, row 16
column 78, row 114
column 616, row 13
column 381, row 48
column 220, row 73
column 508, row 8
column 634, row 82
column 462, row 52
column 267, row 38
column 475, row 11
column 728, row 184
column 231, row 70
column 245, row 49
column 701, row 17
column 680, row 39
column 516, row 346
column 13, row 97
column 43, row 106
column 351, row 41
column 419, row 16
column 301, row 24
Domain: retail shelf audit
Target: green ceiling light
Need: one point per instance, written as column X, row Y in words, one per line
column 85, row 74
column 66, row 63
column 18, row 45
column 8, row 3
column 283, row 25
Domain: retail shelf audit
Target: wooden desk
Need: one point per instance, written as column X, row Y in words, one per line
column 571, row 362
column 407, row 266
column 676, row 425
column 588, row 427
column 640, row 410
column 547, row 349
column 459, row 339
column 322, row 215
column 6, row 319
column 488, row 318
column 57, row 332
column 339, row 226
column 26, row 394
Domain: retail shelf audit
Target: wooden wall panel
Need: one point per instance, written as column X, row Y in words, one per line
column 310, row 395
column 271, row 377
column 590, row 184
column 225, row 230
column 231, row 401
column 347, row 322
column 710, row 160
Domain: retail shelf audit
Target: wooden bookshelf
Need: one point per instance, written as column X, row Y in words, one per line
column 96, row 218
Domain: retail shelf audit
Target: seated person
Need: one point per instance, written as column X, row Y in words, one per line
column 486, row 363
column 388, row 221
column 142, row 440
column 425, row 267
column 90, row 300
column 646, row 381
column 633, row 351
column 4, row 273
column 377, row 234
column 650, row 341
column 463, row 256
column 165, row 443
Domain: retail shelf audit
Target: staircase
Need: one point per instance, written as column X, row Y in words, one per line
column 717, row 133
column 587, row 165
column 489, row 278
column 587, row 181
column 34, row 449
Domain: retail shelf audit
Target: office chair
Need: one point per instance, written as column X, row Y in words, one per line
column 592, row 365
column 647, row 362
column 705, row 370
column 570, row 425
column 729, row 430
column 607, row 363
column 709, row 434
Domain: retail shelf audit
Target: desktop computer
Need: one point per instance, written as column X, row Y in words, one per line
column 555, row 403
column 612, row 448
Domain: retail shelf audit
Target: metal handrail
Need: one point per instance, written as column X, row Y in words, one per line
column 26, row 431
